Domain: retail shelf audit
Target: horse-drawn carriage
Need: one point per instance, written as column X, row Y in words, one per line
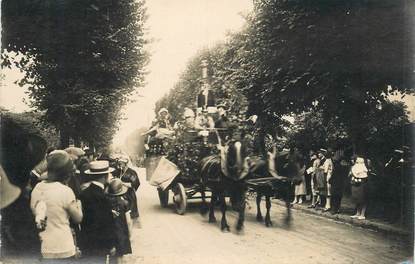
column 174, row 165
column 198, row 161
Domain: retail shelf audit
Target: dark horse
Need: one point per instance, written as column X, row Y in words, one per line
column 286, row 167
column 225, row 174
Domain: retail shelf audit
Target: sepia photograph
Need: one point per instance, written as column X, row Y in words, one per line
column 207, row 131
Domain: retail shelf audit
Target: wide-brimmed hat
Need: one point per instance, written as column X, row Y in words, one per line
column 75, row 152
column 163, row 110
column 116, row 187
column 99, row 167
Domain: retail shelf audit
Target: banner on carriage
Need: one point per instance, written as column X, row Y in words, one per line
column 151, row 164
column 164, row 173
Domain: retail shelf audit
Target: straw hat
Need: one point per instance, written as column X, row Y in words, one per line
column 99, row 167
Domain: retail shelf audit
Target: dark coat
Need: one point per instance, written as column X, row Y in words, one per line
column 339, row 178
column 121, row 206
column 130, row 176
column 202, row 101
column 97, row 226
column 223, row 123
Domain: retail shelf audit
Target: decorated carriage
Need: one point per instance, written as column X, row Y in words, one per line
column 174, row 166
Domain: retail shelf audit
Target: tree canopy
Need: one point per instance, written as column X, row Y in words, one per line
column 82, row 60
column 333, row 64
column 185, row 91
column 343, row 57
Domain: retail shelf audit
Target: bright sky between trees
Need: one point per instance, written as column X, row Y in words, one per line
column 179, row 29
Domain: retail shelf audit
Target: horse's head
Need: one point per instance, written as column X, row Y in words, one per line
column 286, row 164
column 236, row 159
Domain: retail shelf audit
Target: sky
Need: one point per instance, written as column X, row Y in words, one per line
column 178, row 28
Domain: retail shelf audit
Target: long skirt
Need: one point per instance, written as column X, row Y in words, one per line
column 360, row 193
column 321, row 184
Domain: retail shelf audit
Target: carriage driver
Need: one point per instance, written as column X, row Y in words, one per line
column 222, row 123
column 188, row 122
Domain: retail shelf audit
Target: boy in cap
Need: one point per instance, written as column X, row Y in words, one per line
column 120, row 212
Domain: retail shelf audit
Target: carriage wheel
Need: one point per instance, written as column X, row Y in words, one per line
column 164, row 197
column 180, row 198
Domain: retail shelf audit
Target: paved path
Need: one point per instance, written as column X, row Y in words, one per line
column 166, row 237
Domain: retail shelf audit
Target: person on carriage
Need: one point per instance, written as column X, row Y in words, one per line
column 161, row 127
column 187, row 124
column 204, row 121
column 222, row 123
column 160, row 130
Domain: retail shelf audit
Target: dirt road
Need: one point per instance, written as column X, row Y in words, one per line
column 166, row 237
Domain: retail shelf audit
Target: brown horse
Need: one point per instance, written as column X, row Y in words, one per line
column 286, row 167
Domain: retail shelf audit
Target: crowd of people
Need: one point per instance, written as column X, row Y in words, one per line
column 326, row 178
column 89, row 204
column 71, row 205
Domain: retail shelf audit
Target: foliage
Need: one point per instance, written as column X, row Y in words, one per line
column 342, row 57
column 32, row 121
column 383, row 128
column 185, row 91
column 82, row 60
column 311, row 132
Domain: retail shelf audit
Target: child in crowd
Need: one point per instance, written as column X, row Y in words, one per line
column 121, row 215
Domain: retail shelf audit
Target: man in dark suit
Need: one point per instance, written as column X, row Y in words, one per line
column 97, row 238
column 205, row 98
